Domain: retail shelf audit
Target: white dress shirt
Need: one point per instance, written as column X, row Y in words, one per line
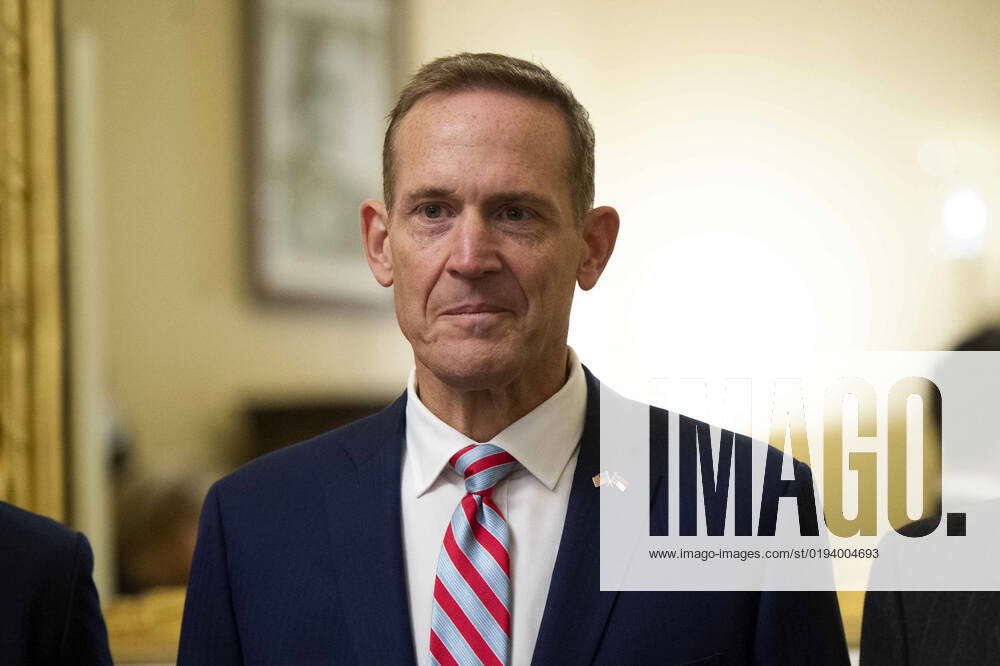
column 534, row 499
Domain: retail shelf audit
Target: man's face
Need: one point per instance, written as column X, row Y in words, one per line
column 483, row 247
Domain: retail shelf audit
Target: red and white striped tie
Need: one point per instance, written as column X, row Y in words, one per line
column 470, row 620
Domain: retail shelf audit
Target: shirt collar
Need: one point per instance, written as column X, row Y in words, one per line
column 543, row 440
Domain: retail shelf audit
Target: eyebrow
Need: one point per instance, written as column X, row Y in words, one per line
column 427, row 193
column 520, row 196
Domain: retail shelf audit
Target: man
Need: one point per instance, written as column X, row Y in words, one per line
column 49, row 610
column 459, row 525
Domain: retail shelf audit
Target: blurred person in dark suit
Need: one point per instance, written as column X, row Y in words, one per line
column 927, row 628
column 459, row 525
column 49, row 609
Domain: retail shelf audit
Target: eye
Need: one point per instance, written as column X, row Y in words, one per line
column 514, row 214
column 432, row 211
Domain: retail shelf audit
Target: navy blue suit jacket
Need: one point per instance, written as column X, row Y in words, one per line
column 49, row 610
column 300, row 561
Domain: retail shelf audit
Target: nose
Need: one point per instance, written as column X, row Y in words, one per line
column 474, row 251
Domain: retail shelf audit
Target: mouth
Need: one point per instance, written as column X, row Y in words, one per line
column 474, row 310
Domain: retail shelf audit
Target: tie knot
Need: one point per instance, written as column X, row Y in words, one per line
column 483, row 466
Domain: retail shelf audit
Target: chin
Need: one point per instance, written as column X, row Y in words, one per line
column 475, row 364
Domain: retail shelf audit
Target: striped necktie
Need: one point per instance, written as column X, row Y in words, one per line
column 470, row 620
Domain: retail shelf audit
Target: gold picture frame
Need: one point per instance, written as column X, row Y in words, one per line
column 32, row 443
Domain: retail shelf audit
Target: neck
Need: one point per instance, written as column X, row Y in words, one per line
column 481, row 414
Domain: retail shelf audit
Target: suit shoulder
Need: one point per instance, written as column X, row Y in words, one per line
column 301, row 463
column 760, row 453
column 41, row 532
column 36, row 547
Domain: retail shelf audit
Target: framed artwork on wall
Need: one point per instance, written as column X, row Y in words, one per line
column 320, row 78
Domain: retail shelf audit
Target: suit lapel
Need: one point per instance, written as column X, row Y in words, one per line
column 364, row 510
column 576, row 611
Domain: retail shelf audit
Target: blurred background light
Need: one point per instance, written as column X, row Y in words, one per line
column 965, row 219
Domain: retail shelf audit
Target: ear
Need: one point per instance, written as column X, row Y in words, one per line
column 600, row 231
column 375, row 239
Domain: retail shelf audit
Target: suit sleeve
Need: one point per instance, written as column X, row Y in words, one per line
column 85, row 638
column 801, row 627
column 208, row 632
column 883, row 637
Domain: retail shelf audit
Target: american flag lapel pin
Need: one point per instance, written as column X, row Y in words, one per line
column 602, row 479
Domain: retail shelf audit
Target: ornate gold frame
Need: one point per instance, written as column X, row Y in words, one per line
column 32, row 444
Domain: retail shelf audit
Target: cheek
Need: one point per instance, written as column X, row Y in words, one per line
column 548, row 285
column 414, row 280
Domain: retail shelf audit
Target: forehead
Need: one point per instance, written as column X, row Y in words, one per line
column 482, row 135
